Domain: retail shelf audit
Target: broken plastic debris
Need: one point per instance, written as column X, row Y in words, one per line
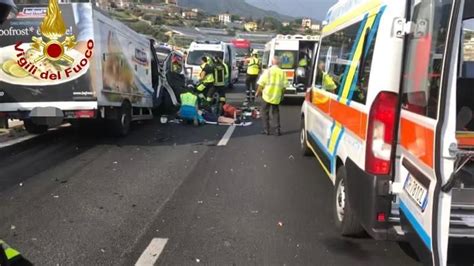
column 280, row 224
column 291, row 157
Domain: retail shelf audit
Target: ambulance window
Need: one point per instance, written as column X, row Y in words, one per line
column 422, row 76
column 335, row 57
column 468, row 50
column 287, row 58
column 265, row 59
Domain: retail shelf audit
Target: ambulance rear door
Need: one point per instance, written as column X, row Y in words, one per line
column 427, row 127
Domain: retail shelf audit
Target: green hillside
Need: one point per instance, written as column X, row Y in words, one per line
column 236, row 7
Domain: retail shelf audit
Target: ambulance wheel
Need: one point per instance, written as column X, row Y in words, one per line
column 33, row 128
column 120, row 126
column 305, row 150
column 344, row 217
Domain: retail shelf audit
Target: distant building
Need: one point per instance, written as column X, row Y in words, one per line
column 285, row 24
column 316, row 27
column 251, row 26
column 306, row 23
column 171, row 2
column 225, row 18
column 189, row 14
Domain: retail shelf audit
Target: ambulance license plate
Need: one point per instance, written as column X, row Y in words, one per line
column 416, row 191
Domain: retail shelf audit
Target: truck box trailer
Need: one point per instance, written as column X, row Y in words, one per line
column 71, row 62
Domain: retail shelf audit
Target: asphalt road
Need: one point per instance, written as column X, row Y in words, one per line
column 88, row 199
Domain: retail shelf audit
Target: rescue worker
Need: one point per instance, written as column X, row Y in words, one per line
column 188, row 110
column 176, row 66
column 253, row 70
column 271, row 86
column 302, row 66
column 206, row 77
column 327, row 82
column 219, row 82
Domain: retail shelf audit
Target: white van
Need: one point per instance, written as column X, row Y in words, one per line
column 290, row 48
column 390, row 119
column 198, row 49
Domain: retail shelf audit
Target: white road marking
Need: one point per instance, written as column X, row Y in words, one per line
column 226, row 136
column 152, row 252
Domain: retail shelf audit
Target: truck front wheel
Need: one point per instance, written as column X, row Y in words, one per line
column 33, row 128
column 345, row 219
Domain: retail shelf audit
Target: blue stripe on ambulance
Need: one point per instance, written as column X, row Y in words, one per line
column 416, row 225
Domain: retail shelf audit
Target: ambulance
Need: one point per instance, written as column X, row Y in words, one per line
column 389, row 116
column 199, row 49
column 290, row 49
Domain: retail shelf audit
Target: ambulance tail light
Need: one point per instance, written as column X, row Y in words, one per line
column 381, row 134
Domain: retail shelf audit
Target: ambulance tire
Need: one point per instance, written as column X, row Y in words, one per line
column 33, row 128
column 120, row 126
column 344, row 217
column 305, row 150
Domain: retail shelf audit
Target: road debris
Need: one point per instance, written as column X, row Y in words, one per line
column 195, row 152
column 56, row 196
column 200, row 202
column 12, row 227
column 102, row 250
column 280, row 224
column 254, row 212
column 21, row 184
column 198, row 260
column 215, row 172
column 291, row 157
column 115, row 162
column 264, row 166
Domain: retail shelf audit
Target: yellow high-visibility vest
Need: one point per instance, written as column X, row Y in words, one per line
column 253, row 67
column 274, row 83
column 209, row 78
column 188, row 99
column 9, row 252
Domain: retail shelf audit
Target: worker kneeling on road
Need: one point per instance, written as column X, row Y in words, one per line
column 253, row 70
column 206, row 78
column 272, row 85
column 189, row 111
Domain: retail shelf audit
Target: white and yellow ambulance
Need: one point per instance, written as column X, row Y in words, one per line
column 390, row 119
column 290, row 49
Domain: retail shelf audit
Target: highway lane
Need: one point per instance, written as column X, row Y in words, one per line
column 89, row 199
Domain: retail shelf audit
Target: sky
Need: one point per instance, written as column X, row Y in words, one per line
column 296, row 8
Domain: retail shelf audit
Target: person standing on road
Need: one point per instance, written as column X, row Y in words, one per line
column 253, row 70
column 219, row 82
column 271, row 86
column 206, row 77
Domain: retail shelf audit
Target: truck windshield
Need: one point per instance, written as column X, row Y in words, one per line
column 241, row 52
column 194, row 57
column 287, row 58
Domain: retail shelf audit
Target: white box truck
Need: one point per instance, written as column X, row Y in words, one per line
column 71, row 62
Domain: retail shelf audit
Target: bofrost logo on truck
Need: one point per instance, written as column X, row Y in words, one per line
column 50, row 56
